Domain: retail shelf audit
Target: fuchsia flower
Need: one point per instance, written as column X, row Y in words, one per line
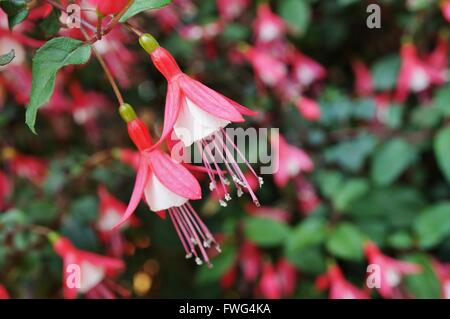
column 278, row 281
column 231, row 9
column 363, row 79
column 291, row 161
column 437, row 61
column 443, row 274
column 307, row 198
column 3, row 293
column 391, row 269
column 250, row 261
column 5, row 188
column 306, row 70
column 166, row 185
column 308, row 108
column 268, row 26
column 110, row 213
column 338, row 286
column 29, row 167
column 95, row 271
column 110, row 7
column 274, row 213
column 198, row 115
column 414, row 74
column 445, row 9
column 269, row 70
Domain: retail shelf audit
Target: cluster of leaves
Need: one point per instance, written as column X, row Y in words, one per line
column 389, row 183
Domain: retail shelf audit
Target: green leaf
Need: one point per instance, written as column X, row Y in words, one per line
column 441, row 98
column 50, row 25
column 266, row 232
column 309, row 233
column 143, row 5
column 51, row 57
column 423, row 285
column 310, row 259
column 296, row 13
column 349, row 192
column 391, row 160
column 16, row 10
column 7, row 58
column 433, row 225
column 222, row 263
column 442, row 151
column 385, row 73
column 346, row 242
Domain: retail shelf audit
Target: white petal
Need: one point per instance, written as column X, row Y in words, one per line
column 194, row 124
column 159, row 197
column 108, row 220
column 420, row 80
column 91, row 276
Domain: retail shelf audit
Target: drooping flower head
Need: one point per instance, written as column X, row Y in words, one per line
column 306, row 70
column 166, row 186
column 231, row 9
column 338, row 286
column 309, row 108
column 278, row 281
column 363, row 79
column 3, row 293
column 5, row 188
column 268, row 26
column 442, row 271
column 198, row 115
column 25, row 166
column 391, row 270
column 87, row 273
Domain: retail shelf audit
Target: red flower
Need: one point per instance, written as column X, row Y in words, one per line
column 307, row 198
column 107, row 7
column 5, row 188
column 95, row 271
column 250, row 261
column 291, row 161
column 32, row 168
column 197, row 114
column 268, row 26
column 306, row 70
column 166, row 185
column 363, row 79
column 443, row 274
column 391, row 269
column 308, row 108
column 445, row 9
column 437, row 61
column 339, row 287
column 3, row 293
column 231, row 9
column 278, row 281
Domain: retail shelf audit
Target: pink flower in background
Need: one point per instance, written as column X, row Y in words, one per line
column 3, row 293
column 291, row 161
column 306, row 70
column 391, row 269
column 95, row 272
column 166, row 185
column 363, row 79
column 127, row 156
column 338, row 286
column 445, row 9
column 205, row 32
column 268, row 26
column 5, row 188
column 198, row 115
column 307, row 198
column 308, row 108
column 278, row 281
column 269, row 70
column 437, row 61
column 29, row 167
column 414, row 74
column 231, row 9
column 167, row 18
column 274, row 213
column 107, row 7
column 250, row 261
column 443, row 273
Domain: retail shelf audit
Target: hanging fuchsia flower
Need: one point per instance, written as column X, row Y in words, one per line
column 363, row 79
column 391, row 269
column 414, row 74
column 290, row 161
column 231, row 9
column 166, row 185
column 308, row 108
column 445, row 9
column 110, row 213
column 437, row 61
column 307, row 198
column 268, row 26
column 3, row 293
column 87, row 273
column 338, row 286
column 443, row 274
column 250, row 261
column 110, row 7
column 269, row 70
column 306, row 70
column 198, row 115
column 5, row 188
column 278, row 281
column 29, row 167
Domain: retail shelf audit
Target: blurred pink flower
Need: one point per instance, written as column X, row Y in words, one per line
column 268, row 26
column 3, row 293
column 308, row 108
column 231, row 9
column 363, row 79
column 269, row 70
column 306, row 70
